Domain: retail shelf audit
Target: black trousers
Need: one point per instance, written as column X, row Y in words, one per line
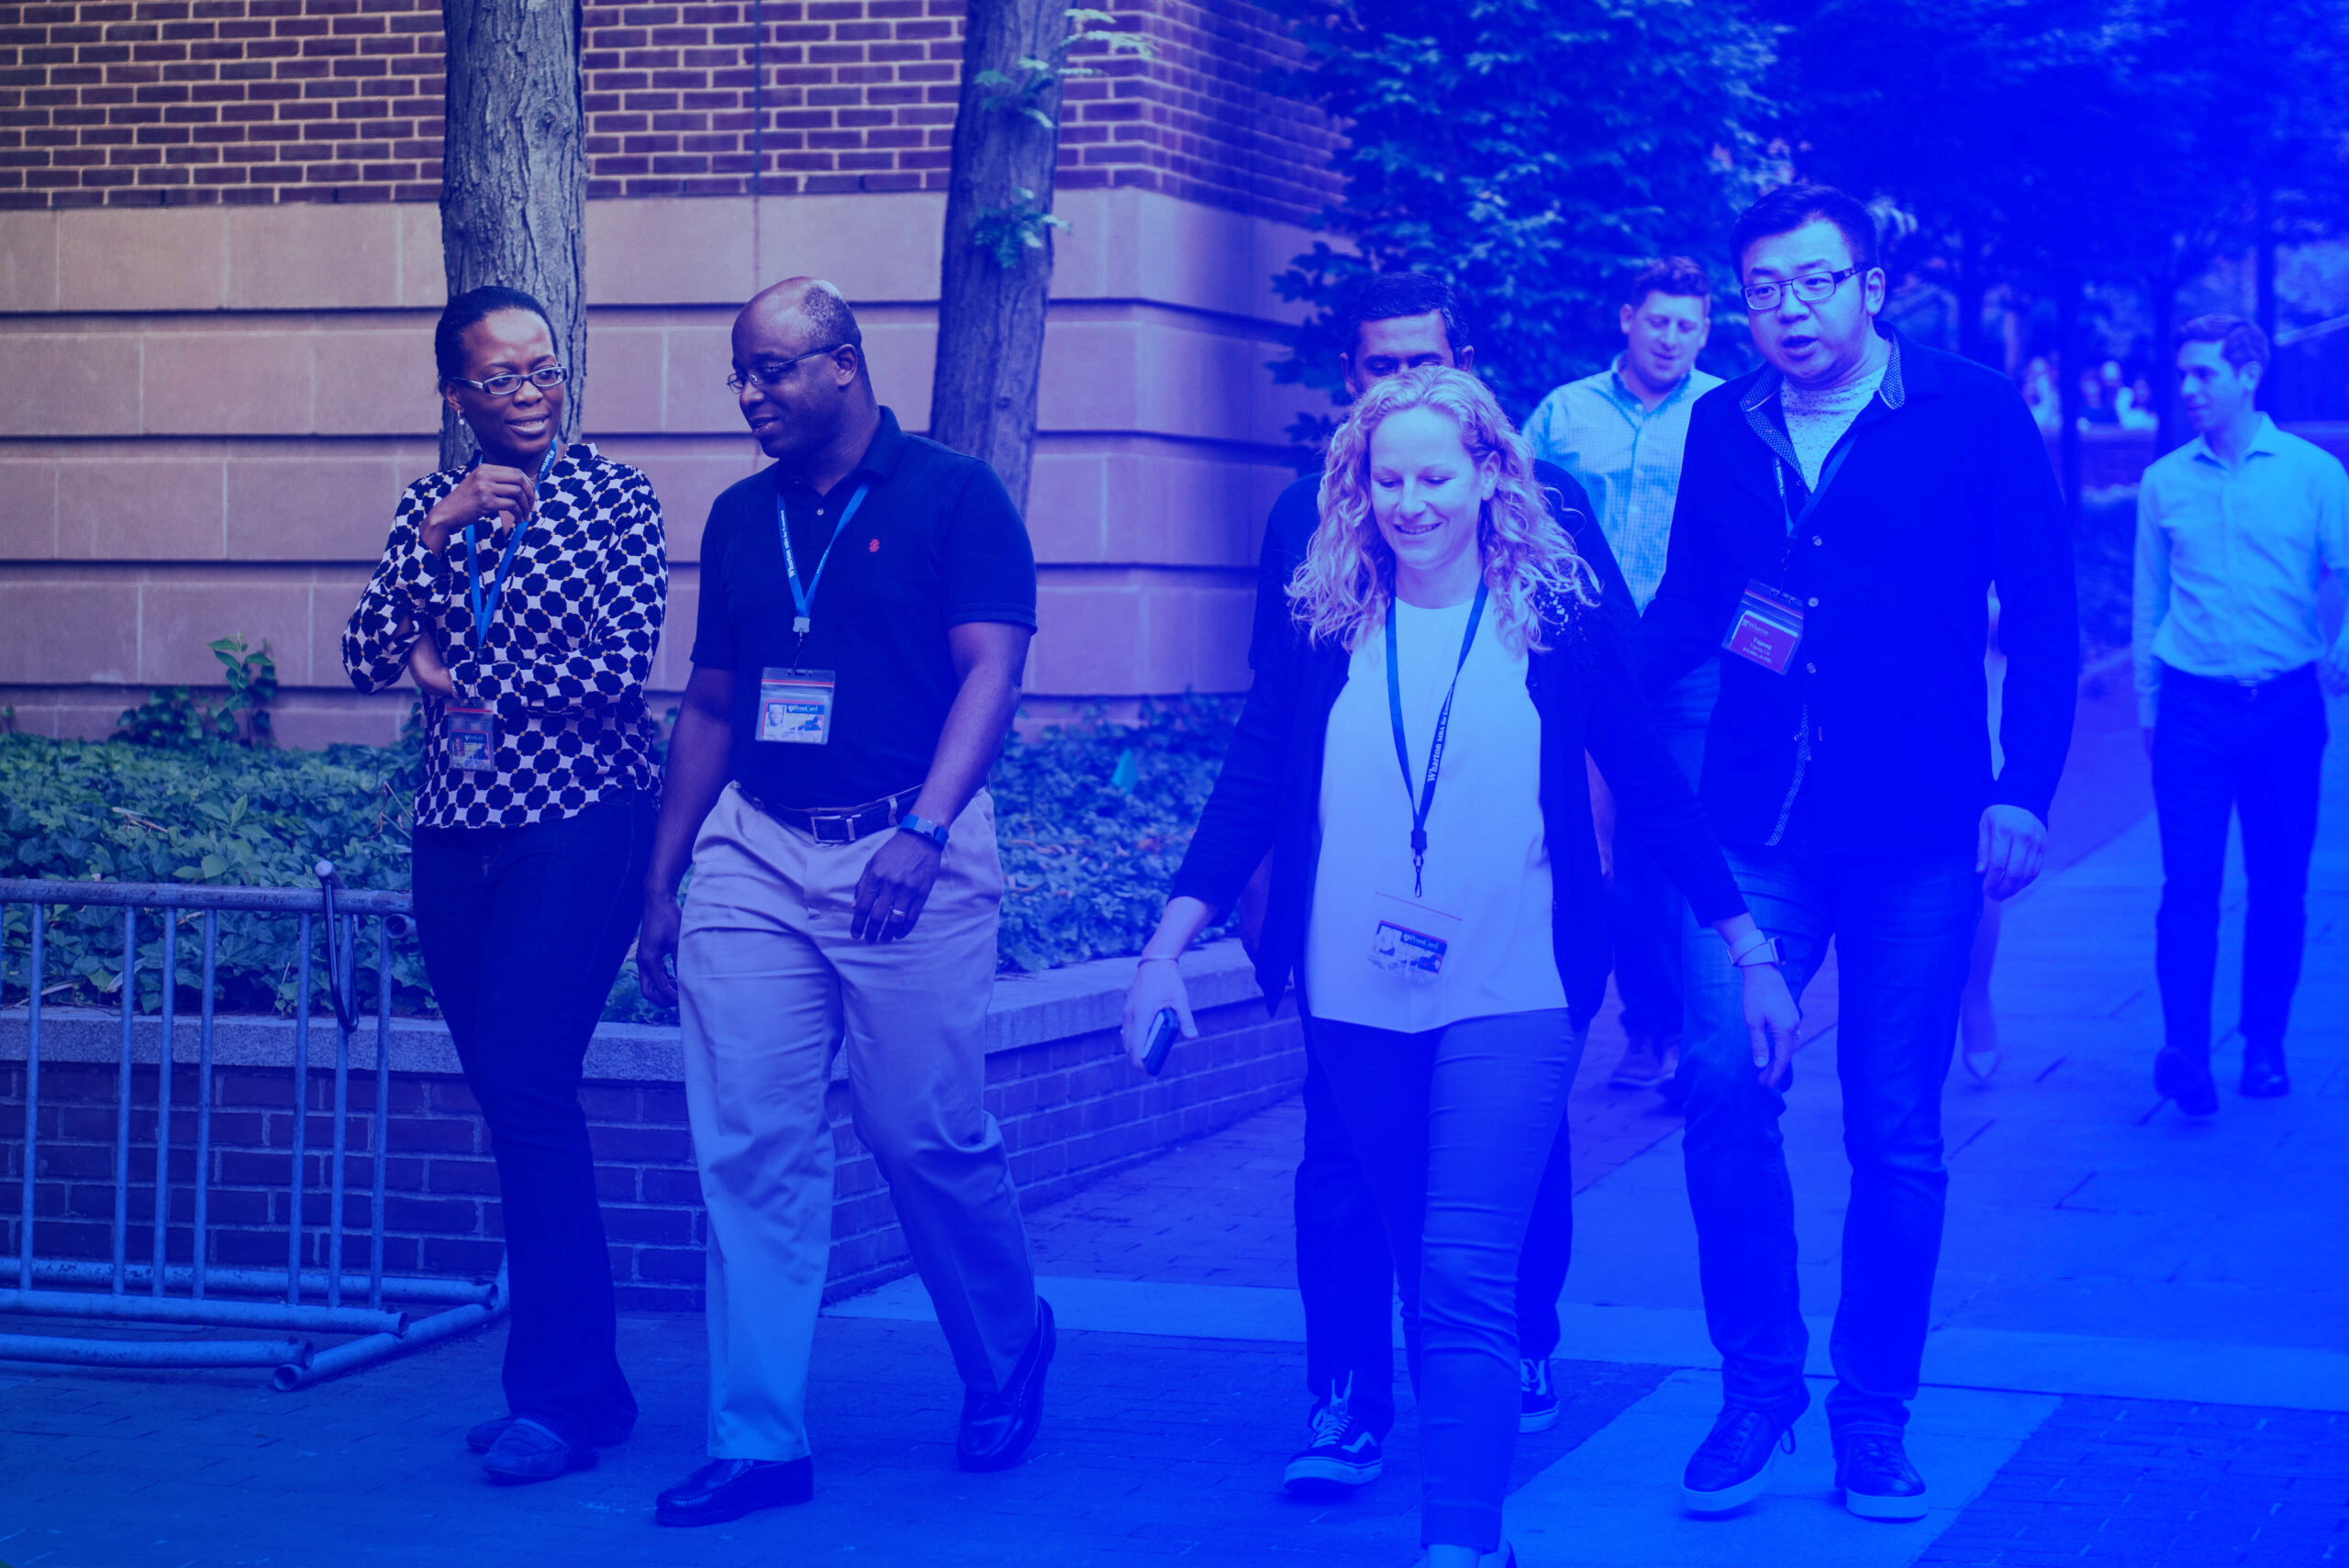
column 1346, row 1270
column 523, row 930
column 2223, row 749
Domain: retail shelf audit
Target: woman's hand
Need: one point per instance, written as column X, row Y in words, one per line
column 1158, row 985
column 506, row 494
column 1772, row 1020
column 424, row 663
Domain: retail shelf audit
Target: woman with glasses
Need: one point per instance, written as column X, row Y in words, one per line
column 524, row 591
column 1413, row 758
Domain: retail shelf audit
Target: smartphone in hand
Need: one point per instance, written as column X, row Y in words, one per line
column 1163, row 1032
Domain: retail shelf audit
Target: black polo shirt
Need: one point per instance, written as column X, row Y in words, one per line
column 936, row 544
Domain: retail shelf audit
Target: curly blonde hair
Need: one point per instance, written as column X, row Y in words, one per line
column 1341, row 589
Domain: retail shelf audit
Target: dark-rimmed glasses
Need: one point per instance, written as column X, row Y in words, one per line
column 773, row 376
column 546, row 378
column 1810, row 288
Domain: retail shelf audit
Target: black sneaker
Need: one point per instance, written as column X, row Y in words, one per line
column 1732, row 1466
column 1878, row 1483
column 2264, row 1077
column 1537, row 1406
column 1343, row 1452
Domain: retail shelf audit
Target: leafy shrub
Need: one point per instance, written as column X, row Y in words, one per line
column 172, row 719
column 1093, row 819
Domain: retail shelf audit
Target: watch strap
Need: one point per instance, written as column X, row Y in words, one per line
column 936, row 832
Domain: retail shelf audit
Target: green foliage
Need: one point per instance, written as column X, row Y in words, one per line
column 1532, row 152
column 223, row 814
column 1093, row 819
column 2104, row 560
column 173, row 720
column 1005, row 231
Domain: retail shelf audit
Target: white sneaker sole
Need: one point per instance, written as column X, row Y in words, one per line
column 1868, row 1505
column 1332, row 1472
column 1729, row 1499
column 1538, row 1422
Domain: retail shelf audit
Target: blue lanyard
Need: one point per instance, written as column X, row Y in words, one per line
column 1435, row 747
column 484, row 611
column 804, row 597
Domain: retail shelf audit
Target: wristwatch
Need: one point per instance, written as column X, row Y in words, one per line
column 923, row 826
column 1764, row 951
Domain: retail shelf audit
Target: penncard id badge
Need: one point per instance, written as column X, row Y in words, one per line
column 795, row 705
column 470, row 735
column 1768, row 628
column 1411, row 939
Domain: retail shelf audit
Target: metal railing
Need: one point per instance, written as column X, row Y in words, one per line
column 158, row 1292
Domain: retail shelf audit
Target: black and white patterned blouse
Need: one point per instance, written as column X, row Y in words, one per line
column 568, row 648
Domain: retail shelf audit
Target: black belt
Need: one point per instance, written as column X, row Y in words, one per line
column 842, row 824
column 2241, row 691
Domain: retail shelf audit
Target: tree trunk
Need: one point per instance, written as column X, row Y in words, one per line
column 990, row 315
column 2071, row 356
column 2264, row 265
column 1970, row 291
column 514, row 175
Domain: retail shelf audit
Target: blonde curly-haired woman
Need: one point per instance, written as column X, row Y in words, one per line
column 1414, row 759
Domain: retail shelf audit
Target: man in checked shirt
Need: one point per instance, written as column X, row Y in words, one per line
column 1620, row 434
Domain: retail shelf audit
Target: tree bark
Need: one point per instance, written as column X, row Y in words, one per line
column 513, row 173
column 991, row 316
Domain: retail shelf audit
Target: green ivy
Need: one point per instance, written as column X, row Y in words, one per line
column 1093, row 819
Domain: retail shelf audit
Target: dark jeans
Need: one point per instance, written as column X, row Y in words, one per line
column 2221, row 748
column 523, row 930
column 1455, row 1127
column 1345, row 1270
column 1903, row 927
column 1648, row 920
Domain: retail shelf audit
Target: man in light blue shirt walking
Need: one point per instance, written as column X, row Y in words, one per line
column 1620, row 434
column 2235, row 530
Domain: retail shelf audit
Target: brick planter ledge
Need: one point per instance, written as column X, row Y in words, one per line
column 1071, row 1111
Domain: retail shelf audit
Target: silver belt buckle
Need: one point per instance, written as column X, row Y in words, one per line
column 820, row 822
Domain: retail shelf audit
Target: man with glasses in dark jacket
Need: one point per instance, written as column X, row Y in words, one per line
column 1842, row 513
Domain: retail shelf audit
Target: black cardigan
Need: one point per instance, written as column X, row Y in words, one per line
column 1269, row 796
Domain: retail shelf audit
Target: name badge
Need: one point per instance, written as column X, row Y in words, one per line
column 796, row 706
column 470, row 737
column 1410, row 939
column 1767, row 629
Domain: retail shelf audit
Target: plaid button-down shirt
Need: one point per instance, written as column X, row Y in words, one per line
column 1626, row 457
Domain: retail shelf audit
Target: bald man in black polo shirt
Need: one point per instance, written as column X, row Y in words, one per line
column 866, row 606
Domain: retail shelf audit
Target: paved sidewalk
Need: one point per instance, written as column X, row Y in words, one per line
column 2140, row 1356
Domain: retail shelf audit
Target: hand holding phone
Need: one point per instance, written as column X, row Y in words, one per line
column 1162, row 1031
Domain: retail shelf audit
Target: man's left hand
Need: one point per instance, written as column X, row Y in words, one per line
column 2012, row 844
column 894, row 886
column 2332, row 670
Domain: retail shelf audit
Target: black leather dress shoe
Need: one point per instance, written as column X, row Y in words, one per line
column 729, row 1488
column 2264, row 1077
column 2187, row 1080
column 998, row 1427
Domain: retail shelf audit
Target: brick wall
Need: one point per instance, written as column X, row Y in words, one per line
column 146, row 102
column 1071, row 1110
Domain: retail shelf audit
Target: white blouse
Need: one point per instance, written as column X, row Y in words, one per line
column 1487, row 883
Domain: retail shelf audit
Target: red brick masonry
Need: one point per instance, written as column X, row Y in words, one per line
column 1071, row 1108
column 143, row 102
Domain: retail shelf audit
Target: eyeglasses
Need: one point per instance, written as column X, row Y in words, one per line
column 1810, row 288
column 773, row 376
column 544, row 378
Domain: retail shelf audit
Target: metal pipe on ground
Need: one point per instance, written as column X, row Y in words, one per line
column 379, row 1347
column 213, row 1312
column 280, row 1353
column 259, row 1282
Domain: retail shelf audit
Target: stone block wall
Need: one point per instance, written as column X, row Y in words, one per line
column 147, row 102
column 1071, row 1110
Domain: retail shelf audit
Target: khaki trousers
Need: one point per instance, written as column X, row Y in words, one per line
column 773, row 986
